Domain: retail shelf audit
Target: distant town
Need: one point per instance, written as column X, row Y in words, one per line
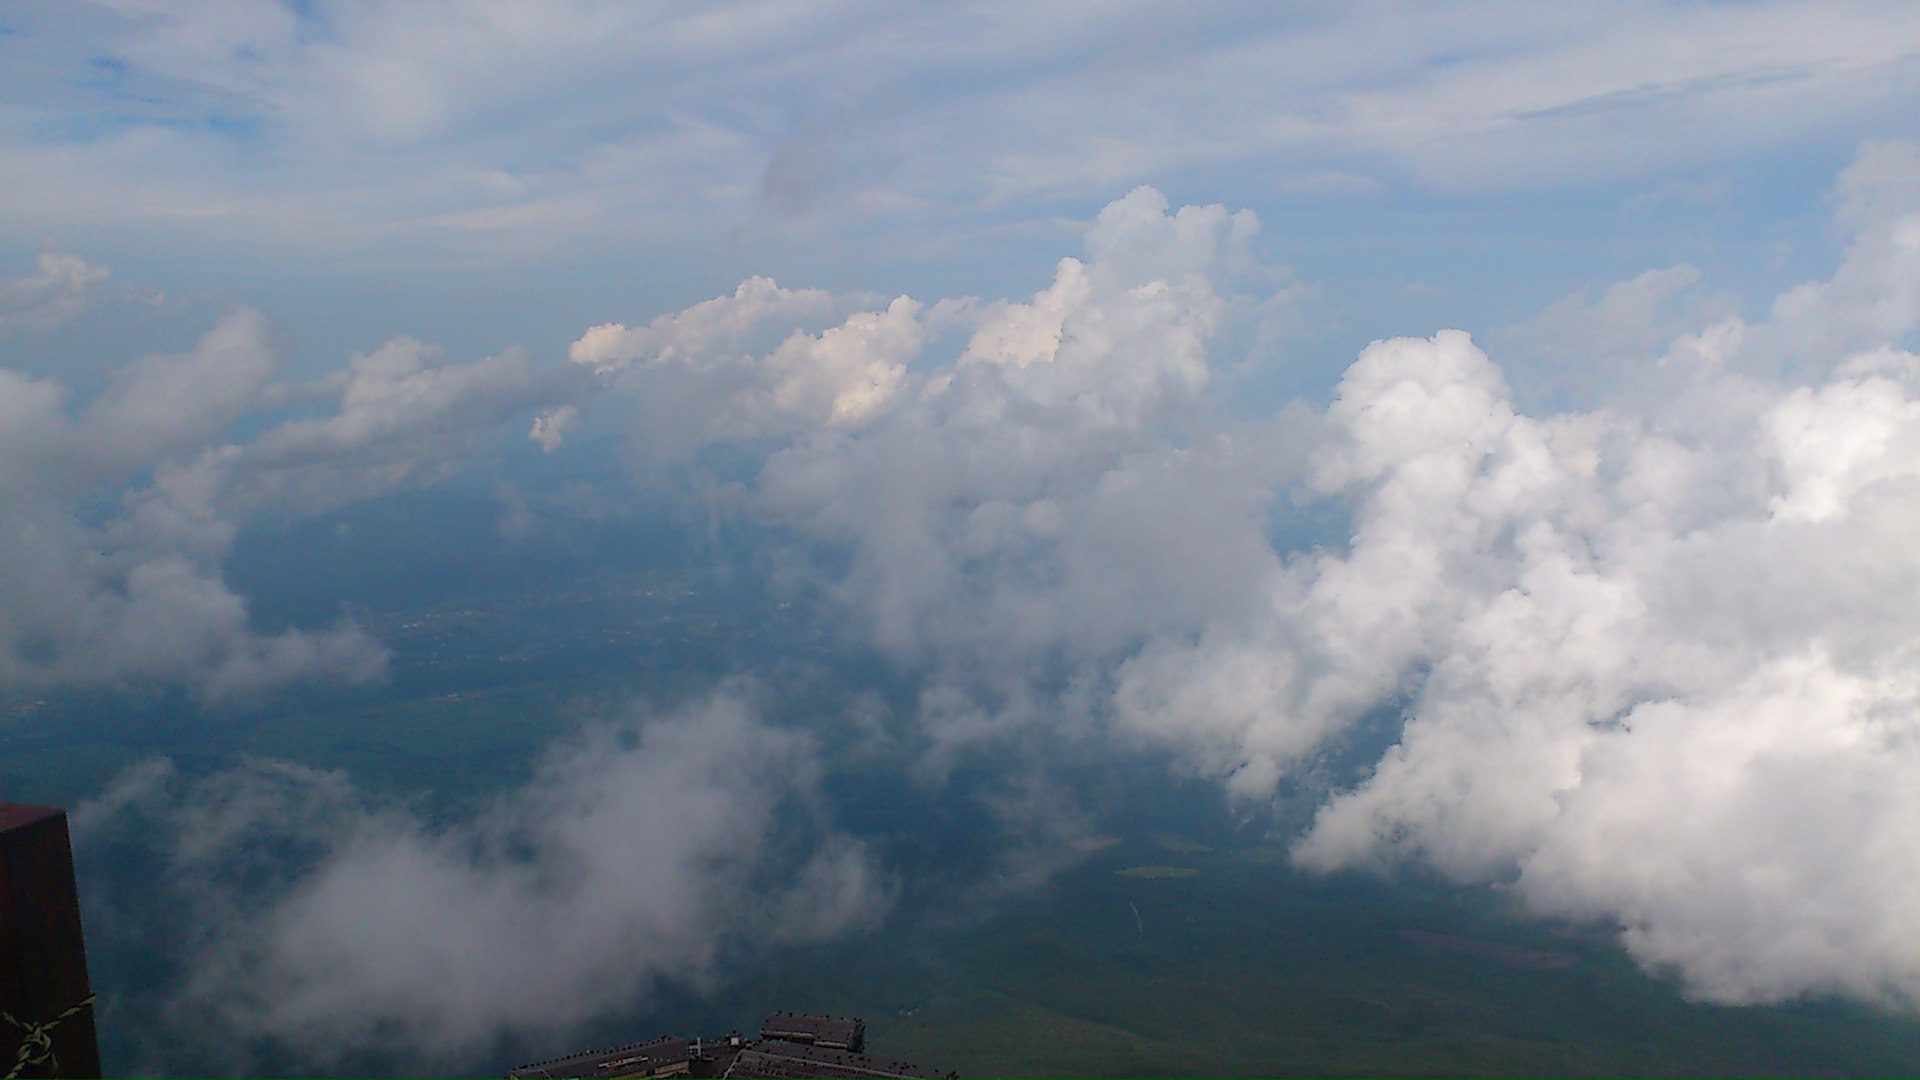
column 790, row 1045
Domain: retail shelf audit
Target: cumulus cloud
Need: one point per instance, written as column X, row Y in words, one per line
column 1652, row 666
column 1644, row 652
column 640, row 854
column 757, row 316
column 163, row 404
column 1653, row 660
column 746, row 365
column 550, row 428
column 52, row 296
column 1874, row 297
column 1649, row 660
column 978, row 511
column 406, row 415
column 116, row 514
column 137, row 596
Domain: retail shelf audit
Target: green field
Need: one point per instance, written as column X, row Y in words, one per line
column 1182, row 943
column 1247, row 969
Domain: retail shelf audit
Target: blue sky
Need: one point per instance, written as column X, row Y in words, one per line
column 481, row 175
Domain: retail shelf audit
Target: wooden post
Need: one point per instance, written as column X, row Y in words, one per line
column 47, row 1029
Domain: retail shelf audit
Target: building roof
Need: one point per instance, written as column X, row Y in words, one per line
column 783, row 1058
column 14, row 815
column 842, row 1032
column 819, row 1046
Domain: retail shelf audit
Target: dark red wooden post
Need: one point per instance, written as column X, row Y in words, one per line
column 47, row 1029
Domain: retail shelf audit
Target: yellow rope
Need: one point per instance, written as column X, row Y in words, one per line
column 36, row 1045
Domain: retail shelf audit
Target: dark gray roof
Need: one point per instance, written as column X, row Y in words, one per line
column 847, row 1033
column 782, row 1058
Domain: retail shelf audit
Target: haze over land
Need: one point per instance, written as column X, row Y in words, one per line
column 513, row 517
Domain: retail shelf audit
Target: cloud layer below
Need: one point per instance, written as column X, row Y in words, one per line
column 327, row 922
column 1653, row 660
column 116, row 513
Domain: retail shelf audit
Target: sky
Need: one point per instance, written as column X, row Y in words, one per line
column 482, row 175
column 1209, row 380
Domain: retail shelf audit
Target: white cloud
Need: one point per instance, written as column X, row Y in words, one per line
column 755, row 318
column 162, row 404
column 550, row 428
column 1771, row 826
column 348, row 127
column 1610, row 696
column 978, row 510
column 1874, row 297
column 1654, row 660
column 52, row 296
column 117, row 513
column 744, row 365
column 1592, row 349
column 640, row 854
column 1652, row 656
column 138, row 596
column 1651, row 678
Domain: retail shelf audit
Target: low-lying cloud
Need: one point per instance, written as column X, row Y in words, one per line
column 640, row 853
column 1655, row 657
column 116, row 512
column 55, row 293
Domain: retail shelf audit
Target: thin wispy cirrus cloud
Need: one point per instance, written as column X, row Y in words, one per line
column 1629, row 573
column 499, row 128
